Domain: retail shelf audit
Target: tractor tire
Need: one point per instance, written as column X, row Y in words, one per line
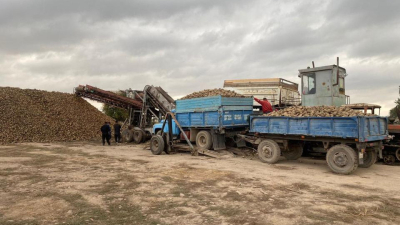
column 204, row 140
column 157, row 145
column 295, row 152
column 342, row 159
column 269, row 151
column 370, row 158
column 127, row 135
column 138, row 136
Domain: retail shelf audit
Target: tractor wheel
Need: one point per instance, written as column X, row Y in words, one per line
column 204, row 140
column 157, row 145
column 370, row 158
column 295, row 152
column 138, row 136
column 269, row 151
column 342, row 159
column 127, row 135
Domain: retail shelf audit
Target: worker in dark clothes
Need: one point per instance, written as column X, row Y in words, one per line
column 105, row 133
column 265, row 105
column 117, row 132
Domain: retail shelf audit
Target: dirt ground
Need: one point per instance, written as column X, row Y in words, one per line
column 85, row 183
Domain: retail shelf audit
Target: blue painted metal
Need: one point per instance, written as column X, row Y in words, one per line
column 213, row 103
column 365, row 129
column 215, row 119
column 214, row 112
column 158, row 126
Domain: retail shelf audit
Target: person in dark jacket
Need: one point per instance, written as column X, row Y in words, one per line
column 117, row 132
column 105, row 133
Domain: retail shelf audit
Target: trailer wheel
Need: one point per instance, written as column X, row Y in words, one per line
column 127, row 135
column 370, row 158
column 389, row 159
column 269, row 151
column 295, row 152
column 342, row 159
column 204, row 140
column 137, row 136
column 398, row 154
column 157, row 144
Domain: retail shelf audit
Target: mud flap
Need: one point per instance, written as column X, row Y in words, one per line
column 360, row 158
column 218, row 141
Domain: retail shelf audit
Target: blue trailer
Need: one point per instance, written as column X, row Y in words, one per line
column 349, row 141
column 209, row 120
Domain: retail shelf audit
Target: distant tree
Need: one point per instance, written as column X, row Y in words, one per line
column 394, row 111
column 114, row 112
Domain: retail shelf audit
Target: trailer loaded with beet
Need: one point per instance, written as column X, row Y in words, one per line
column 205, row 121
column 350, row 142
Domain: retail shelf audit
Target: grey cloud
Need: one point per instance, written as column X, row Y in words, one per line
column 186, row 46
column 107, row 10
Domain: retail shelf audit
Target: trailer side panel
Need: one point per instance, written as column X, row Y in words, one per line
column 363, row 128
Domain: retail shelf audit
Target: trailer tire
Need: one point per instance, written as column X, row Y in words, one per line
column 157, row 145
column 342, row 159
column 138, row 136
column 295, row 152
column 389, row 159
column 127, row 135
column 269, row 151
column 370, row 158
column 204, row 140
column 398, row 154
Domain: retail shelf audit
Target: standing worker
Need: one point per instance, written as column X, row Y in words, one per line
column 117, row 132
column 265, row 105
column 105, row 133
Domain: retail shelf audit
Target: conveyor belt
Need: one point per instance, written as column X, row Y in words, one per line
column 107, row 97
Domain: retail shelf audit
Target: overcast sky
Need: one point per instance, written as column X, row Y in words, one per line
column 191, row 45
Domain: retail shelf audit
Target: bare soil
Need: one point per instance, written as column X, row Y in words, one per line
column 86, row 183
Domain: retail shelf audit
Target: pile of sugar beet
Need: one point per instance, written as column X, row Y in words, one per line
column 39, row 116
column 318, row 111
column 213, row 92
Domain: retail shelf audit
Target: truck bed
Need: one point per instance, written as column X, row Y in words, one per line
column 365, row 129
column 214, row 112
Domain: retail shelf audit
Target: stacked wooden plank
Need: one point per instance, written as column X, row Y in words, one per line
column 213, row 92
column 318, row 111
column 40, row 116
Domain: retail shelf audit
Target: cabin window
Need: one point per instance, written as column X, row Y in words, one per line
column 309, row 84
column 341, row 85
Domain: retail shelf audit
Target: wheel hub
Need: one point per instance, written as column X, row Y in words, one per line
column 340, row 159
column 267, row 151
column 202, row 140
column 155, row 143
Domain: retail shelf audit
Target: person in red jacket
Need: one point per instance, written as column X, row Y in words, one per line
column 265, row 105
